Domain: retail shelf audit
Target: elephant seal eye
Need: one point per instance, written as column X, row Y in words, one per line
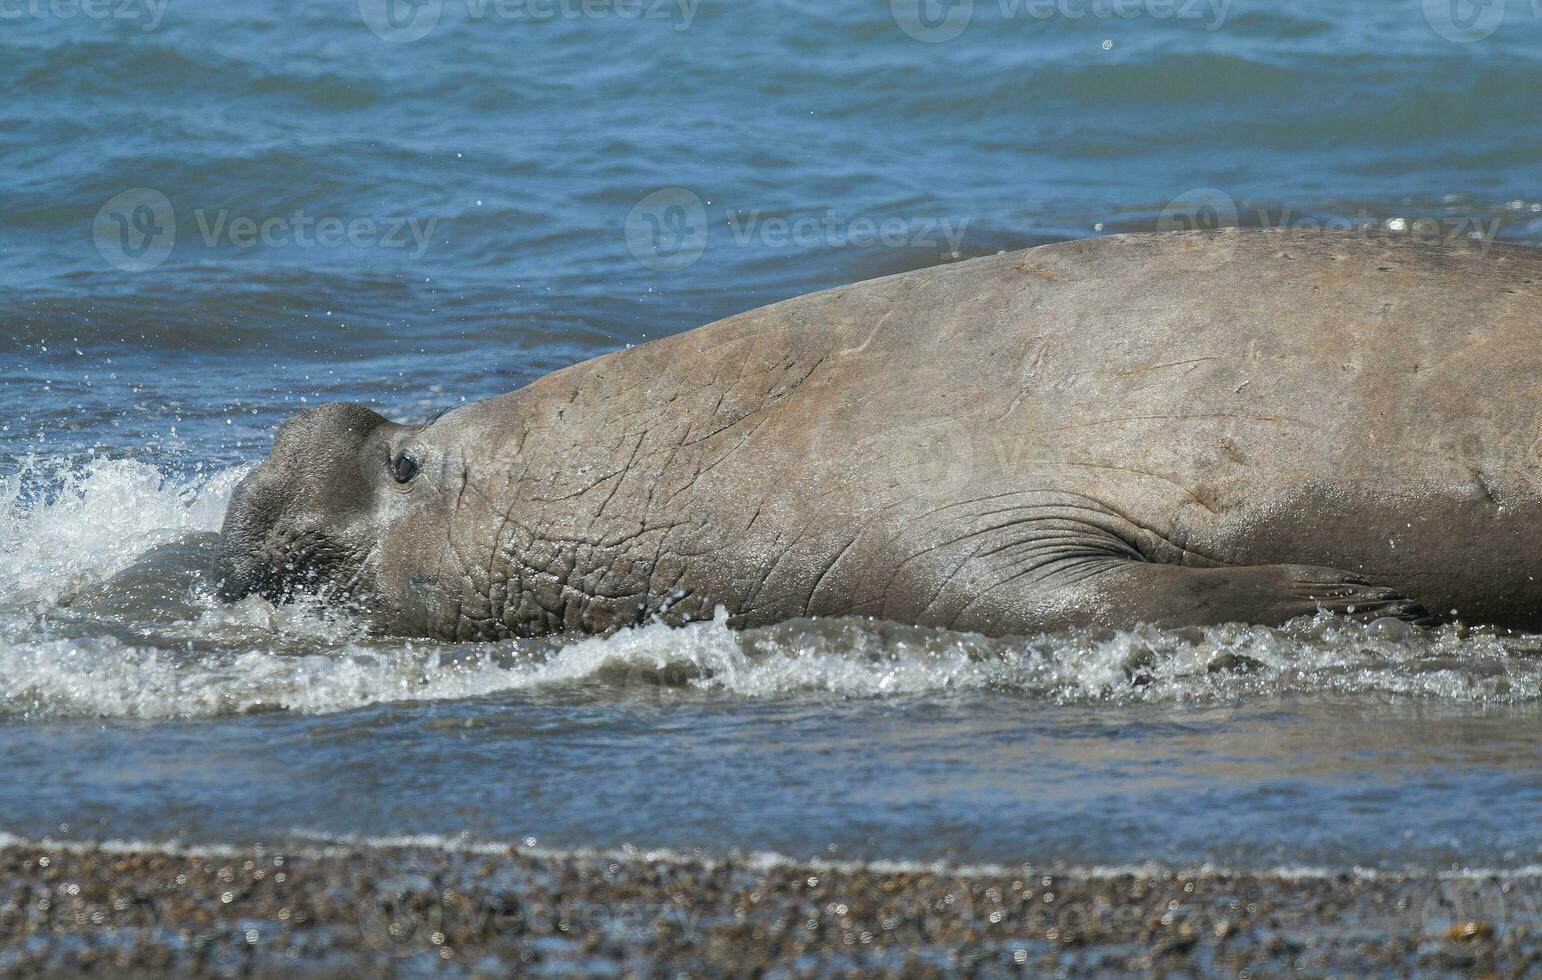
column 403, row 468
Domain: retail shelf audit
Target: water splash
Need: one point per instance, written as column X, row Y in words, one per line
column 851, row 659
column 64, row 525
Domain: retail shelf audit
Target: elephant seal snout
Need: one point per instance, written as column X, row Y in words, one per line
column 1174, row 429
column 306, row 518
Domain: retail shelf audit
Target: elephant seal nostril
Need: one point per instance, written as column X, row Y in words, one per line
column 232, row 584
column 238, row 569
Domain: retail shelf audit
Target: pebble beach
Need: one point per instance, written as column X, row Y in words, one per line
column 414, row 910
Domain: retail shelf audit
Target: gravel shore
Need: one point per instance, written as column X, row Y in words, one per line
column 418, row 910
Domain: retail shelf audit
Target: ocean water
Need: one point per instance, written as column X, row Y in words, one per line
column 218, row 213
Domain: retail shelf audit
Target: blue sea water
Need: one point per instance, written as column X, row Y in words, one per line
column 217, row 213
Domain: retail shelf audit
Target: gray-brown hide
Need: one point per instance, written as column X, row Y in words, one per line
column 1177, row 429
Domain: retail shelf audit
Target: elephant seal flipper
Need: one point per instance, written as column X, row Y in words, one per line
column 1123, row 593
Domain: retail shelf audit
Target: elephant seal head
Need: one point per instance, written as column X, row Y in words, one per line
column 347, row 505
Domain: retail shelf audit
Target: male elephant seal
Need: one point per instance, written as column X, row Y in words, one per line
column 1174, row 429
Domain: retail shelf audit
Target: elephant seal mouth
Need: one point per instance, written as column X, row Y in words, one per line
column 301, row 521
column 279, row 570
column 256, row 556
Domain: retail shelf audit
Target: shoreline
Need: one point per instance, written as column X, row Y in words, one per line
column 484, row 910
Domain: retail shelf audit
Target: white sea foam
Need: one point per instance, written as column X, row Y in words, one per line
column 107, row 678
column 94, row 520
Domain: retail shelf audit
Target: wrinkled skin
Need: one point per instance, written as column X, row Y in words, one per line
column 1175, row 429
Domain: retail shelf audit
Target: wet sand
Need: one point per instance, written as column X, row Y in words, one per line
column 415, row 910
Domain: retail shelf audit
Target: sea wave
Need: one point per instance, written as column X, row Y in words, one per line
column 66, row 524
column 689, row 667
